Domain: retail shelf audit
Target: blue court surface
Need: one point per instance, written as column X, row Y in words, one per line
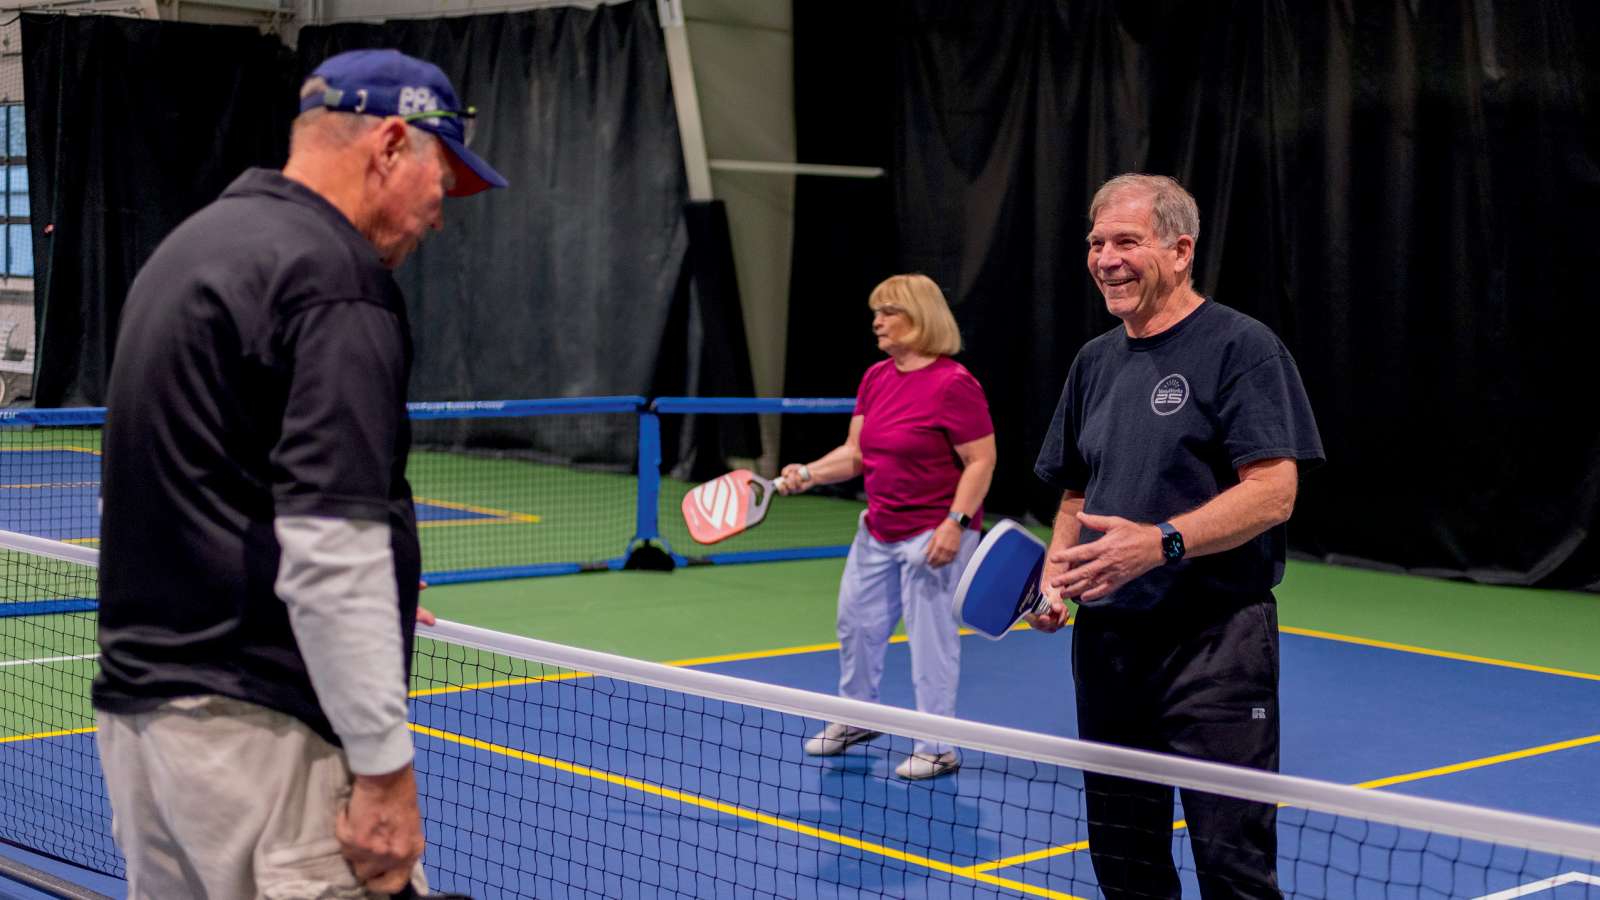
column 587, row 787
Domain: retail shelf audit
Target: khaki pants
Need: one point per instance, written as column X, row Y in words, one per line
column 224, row 800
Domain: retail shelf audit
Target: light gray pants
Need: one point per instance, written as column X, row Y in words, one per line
column 221, row 799
column 883, row 581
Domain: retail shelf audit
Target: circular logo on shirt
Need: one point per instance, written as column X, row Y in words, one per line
column 1171, row 393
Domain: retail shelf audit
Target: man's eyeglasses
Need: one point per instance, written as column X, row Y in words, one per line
column 466, row 117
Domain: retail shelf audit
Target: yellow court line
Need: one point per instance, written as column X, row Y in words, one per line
column 740, row 812
column 48, row 450
column 1481, row 763
column 481, row 510
column 678, row 663
column 1035, row 856
column 782, row 651
column 1442, row 654
column 762, row 654
column 1048, row 852
column 1289, row 629
column 681, row 663
column 453, row 523
column 1420, row 775
column 501, row 683
column 45, row 734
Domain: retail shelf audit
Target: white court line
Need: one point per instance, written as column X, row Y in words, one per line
column 45, row 659
column 1544, row 885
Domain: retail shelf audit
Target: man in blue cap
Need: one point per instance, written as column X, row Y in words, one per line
column 259, row 555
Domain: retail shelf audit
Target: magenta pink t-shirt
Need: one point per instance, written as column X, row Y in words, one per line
column 912, row 422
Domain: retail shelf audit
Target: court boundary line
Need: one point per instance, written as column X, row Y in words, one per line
column 1370, row 785
column 503, row 514
column 70, row 449
column 39, row 661
column 1441, row 654
column 1543, row 884
column 1287, row 629
column 41, row 735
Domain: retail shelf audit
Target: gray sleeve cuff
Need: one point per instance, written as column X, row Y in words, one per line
column 378, row 754
column 337, row 578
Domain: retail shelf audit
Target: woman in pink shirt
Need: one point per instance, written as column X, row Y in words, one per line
column 922, row 439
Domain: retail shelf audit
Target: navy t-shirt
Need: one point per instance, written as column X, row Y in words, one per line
column 260, row 371
column 1150, row 428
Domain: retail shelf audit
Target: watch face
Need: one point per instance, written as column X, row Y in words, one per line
column 1172, row 545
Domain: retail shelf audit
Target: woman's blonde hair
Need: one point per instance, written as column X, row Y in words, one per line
column 933, row 329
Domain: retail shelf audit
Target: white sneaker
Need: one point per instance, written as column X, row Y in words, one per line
column 918, row 766
column 834, row 739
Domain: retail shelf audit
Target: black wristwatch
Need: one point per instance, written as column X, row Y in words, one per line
column 1171, row 543
column 960, row 518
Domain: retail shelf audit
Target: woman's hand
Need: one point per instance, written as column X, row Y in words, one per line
column 790, row 480
column 943, row 545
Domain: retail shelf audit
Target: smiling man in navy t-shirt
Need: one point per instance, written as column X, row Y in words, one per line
column 1178, row 444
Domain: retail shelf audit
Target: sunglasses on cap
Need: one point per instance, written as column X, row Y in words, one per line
column 466, row 118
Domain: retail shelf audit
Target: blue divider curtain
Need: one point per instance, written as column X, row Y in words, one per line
column 1405, row 192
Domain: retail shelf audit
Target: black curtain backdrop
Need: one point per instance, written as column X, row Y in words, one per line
column 561, row 285
column 709, row 315
column 1404, row 195
column 844, row 228
column 132, row 126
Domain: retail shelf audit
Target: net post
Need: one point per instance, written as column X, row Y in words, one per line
column 648, row 550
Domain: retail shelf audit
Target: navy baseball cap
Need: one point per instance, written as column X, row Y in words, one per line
column 390, row 83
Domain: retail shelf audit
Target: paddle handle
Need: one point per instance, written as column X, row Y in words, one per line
column 1041, row 603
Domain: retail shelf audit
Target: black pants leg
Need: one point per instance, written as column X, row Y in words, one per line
column 1130, row 822
column 1130, row 837
column 1222, row 705
column 1197, row 680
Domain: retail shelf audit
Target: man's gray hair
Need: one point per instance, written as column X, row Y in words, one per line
column 1173, row 210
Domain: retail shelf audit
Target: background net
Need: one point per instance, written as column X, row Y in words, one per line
column 503, row 489
column 52, row 798
column 50, row 473
column 523, row 487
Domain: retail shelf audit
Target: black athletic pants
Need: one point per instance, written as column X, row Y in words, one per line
column 1197, row 677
